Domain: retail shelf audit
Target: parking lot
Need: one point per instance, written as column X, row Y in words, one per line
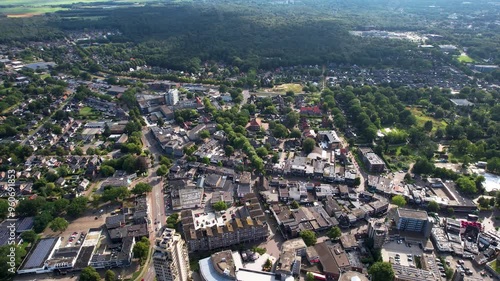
column 475, row 271
column 400, row 252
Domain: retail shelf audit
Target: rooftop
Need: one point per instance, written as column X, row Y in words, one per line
column 414, row 214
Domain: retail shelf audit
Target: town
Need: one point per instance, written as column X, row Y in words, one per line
column 120, row 170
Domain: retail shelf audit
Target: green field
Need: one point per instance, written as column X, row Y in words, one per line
column 295, row 87
column 85, row 111
column 36, row 7
column 465, row 59
column 422, row 118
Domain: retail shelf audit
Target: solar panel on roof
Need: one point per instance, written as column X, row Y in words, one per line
column 42, row 250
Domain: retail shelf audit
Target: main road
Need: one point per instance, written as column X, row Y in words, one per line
column 155, row 198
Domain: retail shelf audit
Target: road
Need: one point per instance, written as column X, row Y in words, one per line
column 156, row 214
column 155, row 197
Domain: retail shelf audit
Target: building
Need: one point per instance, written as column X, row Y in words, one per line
column 213, row 231
column 254, row 125
column 328, row 139
column 406, row 273
column 377, row 230
column 333, row 259
column 372, row 161
column 461, row 102
column 35, row 262
column 114, row 255
column 186, row 198
column 170, row 257
column 172, row 97
column 227, row 265
column 414, row 221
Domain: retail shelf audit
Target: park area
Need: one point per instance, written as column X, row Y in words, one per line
column 422, row 118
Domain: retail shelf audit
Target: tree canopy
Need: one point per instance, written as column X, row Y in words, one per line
column 398, row 200
column 309, row 237
column 381, row 271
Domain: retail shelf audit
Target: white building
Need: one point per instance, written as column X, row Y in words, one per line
column 170, row 258
column 172, row 97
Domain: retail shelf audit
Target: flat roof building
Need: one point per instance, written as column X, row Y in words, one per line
column 415, row 221
column 170, row 257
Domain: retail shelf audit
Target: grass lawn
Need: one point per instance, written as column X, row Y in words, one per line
column 85, row 111
column 43, row 76
column 464, row 58
column 494, row 264
column 422, row 118
column 295, row 87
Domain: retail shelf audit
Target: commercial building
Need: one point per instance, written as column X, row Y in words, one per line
column 211, row 231
column 415, row 221
column 35, row 262
column 170, row 257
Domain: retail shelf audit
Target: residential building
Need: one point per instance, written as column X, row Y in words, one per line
column 212, row 231
column 415, row 221
column 372, row 161
column 377, row 230
column 170, row 257
column 172, row 97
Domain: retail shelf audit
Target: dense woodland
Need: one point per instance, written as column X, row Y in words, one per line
column 261, row 34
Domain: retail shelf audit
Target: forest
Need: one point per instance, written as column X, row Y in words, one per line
column 259, row 34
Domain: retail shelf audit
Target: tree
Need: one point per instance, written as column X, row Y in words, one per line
column 483, row 202
column 141, row 250
column 357, row 181
column 115, row 193
column 59, row 224
column 295, row 134
column 141, row 188
column 77, row 207
column 107, row 170
column 294, row 205
column 308, row 145
column 398, row 200
column 291, row 119
column 433, row 206
column 220, row 206
column 381, row 271
column 423, row 166
column 162, row 170
column 466, row 185
column 228, row 150
column 7, row 263
column 110, row 275
column 334, row 233
column 261, row 151
column 41, row 221
column 89, row 274
column 4, row 209
column 310, row 277
column 493, row 165
column 204, row 134
column 280, row 131
column 309, row 237
column 29, row 236
column 428, row 126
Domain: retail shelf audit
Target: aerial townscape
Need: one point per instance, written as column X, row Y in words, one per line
column 282, row 140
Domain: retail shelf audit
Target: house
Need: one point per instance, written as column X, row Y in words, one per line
column 310, row 111
column 60, row 181
column 253, row 125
